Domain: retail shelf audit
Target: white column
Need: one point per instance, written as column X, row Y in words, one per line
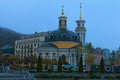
column 57, row 56
column 43, row 55
column 69, row 57
column 50, row 55
column 36, row 55
column 83, row 55
column 74, row 58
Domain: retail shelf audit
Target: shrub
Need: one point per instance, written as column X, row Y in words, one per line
column 108, row 77
column 94, row 77
column 118, row 76
column 91, row 73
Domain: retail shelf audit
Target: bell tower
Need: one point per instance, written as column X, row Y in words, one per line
column 80, row 29
column 62, row 21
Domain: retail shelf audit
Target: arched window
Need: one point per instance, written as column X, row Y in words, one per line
column 51, row 37
column 59, row 22
column 75, row 37
column 64, row 36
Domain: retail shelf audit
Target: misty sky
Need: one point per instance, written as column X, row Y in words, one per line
column 29, row 16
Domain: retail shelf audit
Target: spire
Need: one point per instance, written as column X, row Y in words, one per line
column 80, row 11
column 62, row 10
column 62, row 20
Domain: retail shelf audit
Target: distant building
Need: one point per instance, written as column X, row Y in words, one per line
column 106, row 53
column 97, row 54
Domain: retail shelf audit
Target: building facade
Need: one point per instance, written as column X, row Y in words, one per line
column 27, row 45
column 54, row 44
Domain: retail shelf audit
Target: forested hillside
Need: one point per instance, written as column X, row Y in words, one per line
column 8, row 36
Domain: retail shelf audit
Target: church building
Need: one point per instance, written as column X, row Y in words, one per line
column 62, row 42
column 54, row 44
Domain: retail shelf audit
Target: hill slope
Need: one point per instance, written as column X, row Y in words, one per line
column 8, row 36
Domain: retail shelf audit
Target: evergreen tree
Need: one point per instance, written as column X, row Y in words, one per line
column 113, row 57
column 1, row 57
column 102, row 65
column 81, row 64
column 39, row 64
column 59, row 65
